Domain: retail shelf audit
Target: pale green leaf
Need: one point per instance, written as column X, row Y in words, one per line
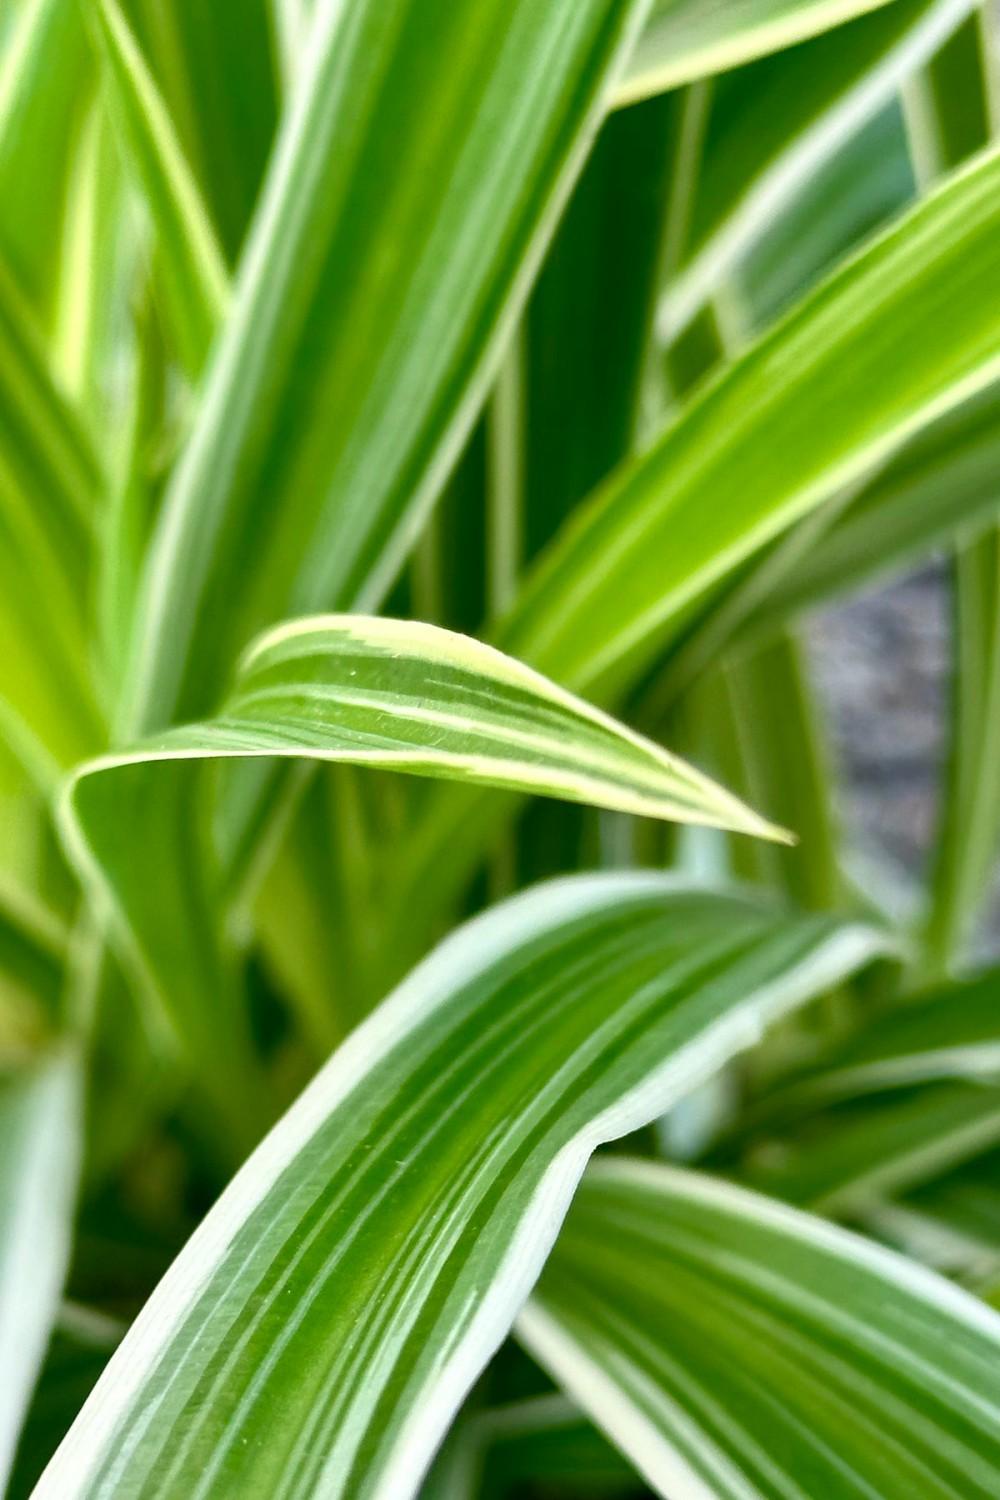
column 195, row 277
column 688, row 39
column 319, row 1331
column 739, row 1350
column 39, row 1149
column 49, row 483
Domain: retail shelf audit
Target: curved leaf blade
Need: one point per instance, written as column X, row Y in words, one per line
column 401, row 695
column 324, row 1323
column 736, row 1348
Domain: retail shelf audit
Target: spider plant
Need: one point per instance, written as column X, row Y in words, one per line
column 449, row 1045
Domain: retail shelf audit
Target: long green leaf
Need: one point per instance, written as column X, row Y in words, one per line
column 319, row 1331
column 940, row 484
column 903, row 333
column 39, row 1147
column 215, row 67
column 32, row 961
column 840, row 1160
column 393, row 245
column 737, row 1349
column 689, row 39
column 49, row 484
column 773, row 129
column 960, row 116
column 196, row 279
column 44, row 87
column 906, row 331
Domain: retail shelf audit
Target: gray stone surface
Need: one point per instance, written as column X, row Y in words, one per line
column 882, row 663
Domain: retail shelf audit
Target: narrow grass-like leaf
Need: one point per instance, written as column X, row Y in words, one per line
column 688, row 39
column 942, row 483
column 196, row 280
column 39, row 1147
column 808, row 409
column 319, row 1331
column 391, row 250
column 774, row 127
column 32, row 963
column 216, row 69
column 737, row 1349
column 49, row 484
column 840, row 1160
column 44, row 88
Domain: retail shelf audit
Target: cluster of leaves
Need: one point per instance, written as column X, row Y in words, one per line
column 571, row 351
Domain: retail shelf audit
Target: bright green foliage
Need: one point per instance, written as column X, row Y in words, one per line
column 376, row 377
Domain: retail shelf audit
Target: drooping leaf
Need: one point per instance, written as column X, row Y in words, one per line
column 733, row 1347
column 368, row 692
column 39, row 1149
column 323, row 1325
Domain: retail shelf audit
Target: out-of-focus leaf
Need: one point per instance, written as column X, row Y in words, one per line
column 32, row 959
column 810, row 407
column 952, row 1223
column 688, row 39
column 391, row 251
column 842, row 1159
column 320, row 1330
column 954, row 105
column 942, row 482
column 39, row 1149
column 215, row 67
column 733, row 1347
column 48, row 491
column 195, row 277
column 777, row 132
column 44, row 87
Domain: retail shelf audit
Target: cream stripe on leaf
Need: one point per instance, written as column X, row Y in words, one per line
column 740, row 1350
column 322, row 1326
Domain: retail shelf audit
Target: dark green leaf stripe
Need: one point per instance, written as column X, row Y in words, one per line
column 392, row 248
column 738, row 1350
column 323, row 1324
